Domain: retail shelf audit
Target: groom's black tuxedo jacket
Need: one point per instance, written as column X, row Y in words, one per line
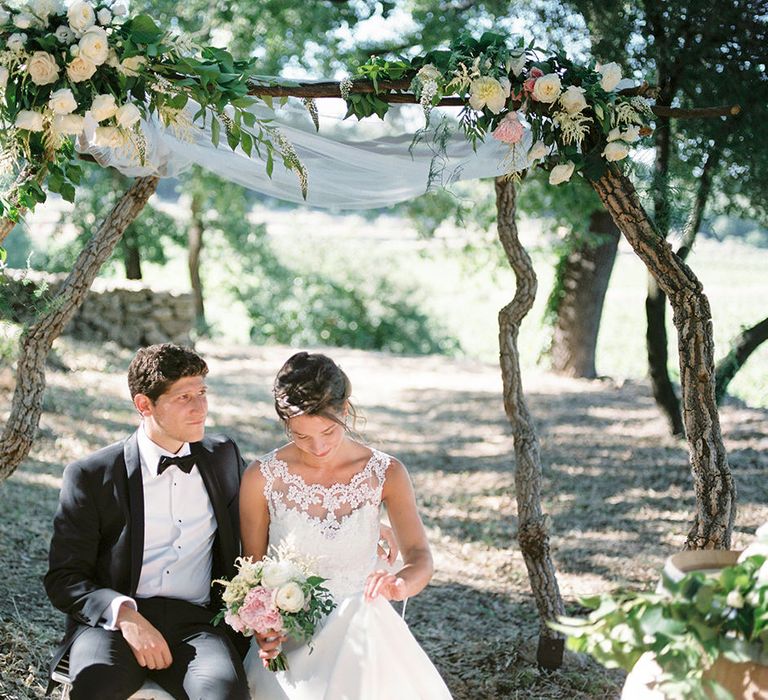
column 98, row 532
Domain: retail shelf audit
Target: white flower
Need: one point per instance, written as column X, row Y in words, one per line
column 275, row 574
column 64, row 34
column 759, row 548
column 735, row 600
column 547, row 88
column 127, row 115
column 4, row 15
column 70, row 124
column 80, row 69
column 103, row 107
column 487, row 92
column 3, row 77
column 29, row 120
column 613, row 134
column 611, row 73
column 104, row 16
column 81, row 16
column 109, row 137
column 94, row 45
column 289, row 597
column 631, row 135
column 615, row 150
column 43, row 8
column 429, row 72
column 17, row 41
column 130, row 66
column 517, row 64
column 538, row 150
column 42, row 68
column 119, row 10
column 561, row 173
column 762, row 575
column 573, row 99
column 23, row 20
column 62, row 101
column 74, row 50
column 112, row 59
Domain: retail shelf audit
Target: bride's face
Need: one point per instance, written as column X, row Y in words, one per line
column 317, row 435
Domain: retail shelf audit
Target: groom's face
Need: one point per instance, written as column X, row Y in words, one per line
column 178, row 415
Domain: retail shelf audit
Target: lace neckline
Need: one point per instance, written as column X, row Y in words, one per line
column 289, row 477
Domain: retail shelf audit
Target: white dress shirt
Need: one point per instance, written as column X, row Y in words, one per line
column 179, row 529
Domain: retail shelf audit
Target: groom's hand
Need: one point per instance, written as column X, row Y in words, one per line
column 147, row 644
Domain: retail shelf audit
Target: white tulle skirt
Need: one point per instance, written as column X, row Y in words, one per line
column 364, row 651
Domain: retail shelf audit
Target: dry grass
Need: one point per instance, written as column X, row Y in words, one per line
column 617, row 488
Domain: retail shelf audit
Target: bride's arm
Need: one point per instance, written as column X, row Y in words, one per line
column 254, row 513
column 400, row 500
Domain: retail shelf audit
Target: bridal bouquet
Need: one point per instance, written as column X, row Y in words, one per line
column 278, row 593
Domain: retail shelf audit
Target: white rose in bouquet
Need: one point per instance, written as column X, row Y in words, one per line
column 62, row 101
column 109, row 137
column 119, row 10
column 127, row 115
column 573, row 99
column 112, row 59
column 130, row 66
column 289, row 597
column 547, row 88
column 632, row 134
column 81, row 16
column 23, row 20
column 613, row 135
column 94, row 45
column 3, row 77
column 488, row 92
column 42, row 68
column 538, row 150
column 561, row 173
column 275, row 574
column 70, row 124
column 104, row 16
column 615, row 150
column 17, row 41
column 29, row 120
column 103, row 107
column 64, row 34
column 428, row 72
column 80, row 69
column 44, row 8
column 611, row 76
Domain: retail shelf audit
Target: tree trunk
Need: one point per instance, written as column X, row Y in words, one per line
column 533, row 534
column 584, row 281
column 36, row 340
column 713, row 483
column 131, row 257
column 195, row 236
column 741, row 348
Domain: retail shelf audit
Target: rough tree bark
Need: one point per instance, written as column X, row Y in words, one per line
column 131, row 257
column 36, row 340
column 532, row 534
column 741, row 348
column 713, row 483
column 584, row 281
column 195, row 240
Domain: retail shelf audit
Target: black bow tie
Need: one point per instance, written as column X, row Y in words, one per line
column 184, row 463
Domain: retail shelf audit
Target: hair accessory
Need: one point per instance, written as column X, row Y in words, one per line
column 284, row 407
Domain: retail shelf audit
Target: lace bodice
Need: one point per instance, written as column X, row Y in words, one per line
column 337, row 526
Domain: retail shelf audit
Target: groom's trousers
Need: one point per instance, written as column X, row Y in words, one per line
column 205, row 664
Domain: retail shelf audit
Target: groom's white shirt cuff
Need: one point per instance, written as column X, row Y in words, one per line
column 110, row 614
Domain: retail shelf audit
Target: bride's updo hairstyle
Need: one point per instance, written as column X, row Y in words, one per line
column 312, row 384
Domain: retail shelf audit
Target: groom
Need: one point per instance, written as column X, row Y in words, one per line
column 142, row 528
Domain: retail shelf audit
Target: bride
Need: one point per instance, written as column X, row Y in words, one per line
column 322, row 492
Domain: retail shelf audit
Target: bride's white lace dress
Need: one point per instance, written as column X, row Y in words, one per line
column 363, row 650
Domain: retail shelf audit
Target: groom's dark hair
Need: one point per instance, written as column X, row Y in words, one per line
column 156, row 367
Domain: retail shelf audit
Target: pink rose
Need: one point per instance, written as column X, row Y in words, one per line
column 533, row 75
column 234, row 621
column 510, row 130
column 259, row 613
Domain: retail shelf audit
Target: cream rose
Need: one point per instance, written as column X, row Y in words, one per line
column 70, row 124
column 112, row 59
column 119, row 10
column 127, row 115
column 42, row 68
column 64, row 34
column 62, row 101
column 615, row 150
column 29, row 120
column 104, row 16
column 43, row 8
column 573, row 99
column 487, row 92
column 289, row 597
column 94, row 46
column 109, row 137
column 130, row 66
column 429, row 72
column 17, row 41
column 611, row 76
column 23, row 20
column 81, row 16
column 3, row 77
column 276, row 574
column 538, row 151
column 103, row 107
column 632, row 134
column 613, row 135
column 80, row 69
column 561, row 173
column 547, row 88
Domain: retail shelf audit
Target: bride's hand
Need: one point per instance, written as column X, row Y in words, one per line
column 386, row 585
column 387, row 536
column 269, row 645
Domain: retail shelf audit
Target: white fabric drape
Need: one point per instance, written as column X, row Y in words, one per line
column 350, row 165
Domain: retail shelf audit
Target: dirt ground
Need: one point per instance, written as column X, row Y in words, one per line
column 617, row 488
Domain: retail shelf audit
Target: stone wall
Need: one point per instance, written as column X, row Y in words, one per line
column 127, row 312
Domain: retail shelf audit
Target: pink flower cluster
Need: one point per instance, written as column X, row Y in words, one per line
column 257, row 612
column 533, row 75
column 510, row 130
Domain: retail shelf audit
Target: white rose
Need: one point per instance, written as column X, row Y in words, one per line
column 289, row 597
column 3, row 77
column 42, row 68
column 23, row 20
column 275, row 574
column 62, row 101
column 487, row 92
column 94, row 45
column 64, row 34
column 70, row 124
column 43, row 8
column 538, row 150
column 81, row 16
column 80, row 69
column 17, row 41
column 29, row 120
column 561, row 173
column 613, row 134
column 547, row 88
column 611, row 73
column 632, row 134
column 109, row 137
column 103, row 107
column 127, row 115
column 759, row 548
column 130, row 66
column 74, row 50
column 734, row 600
column 615, row 150
column 762, row 575
column 112, row 59
column 119, row 10
column 517, row 64
column 4, row 15
column 573, row 99
column 429, row 72
column 104, row 16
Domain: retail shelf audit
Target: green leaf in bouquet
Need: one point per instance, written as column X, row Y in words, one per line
column 737, row 650
column 215, row 131
column 143, row 30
